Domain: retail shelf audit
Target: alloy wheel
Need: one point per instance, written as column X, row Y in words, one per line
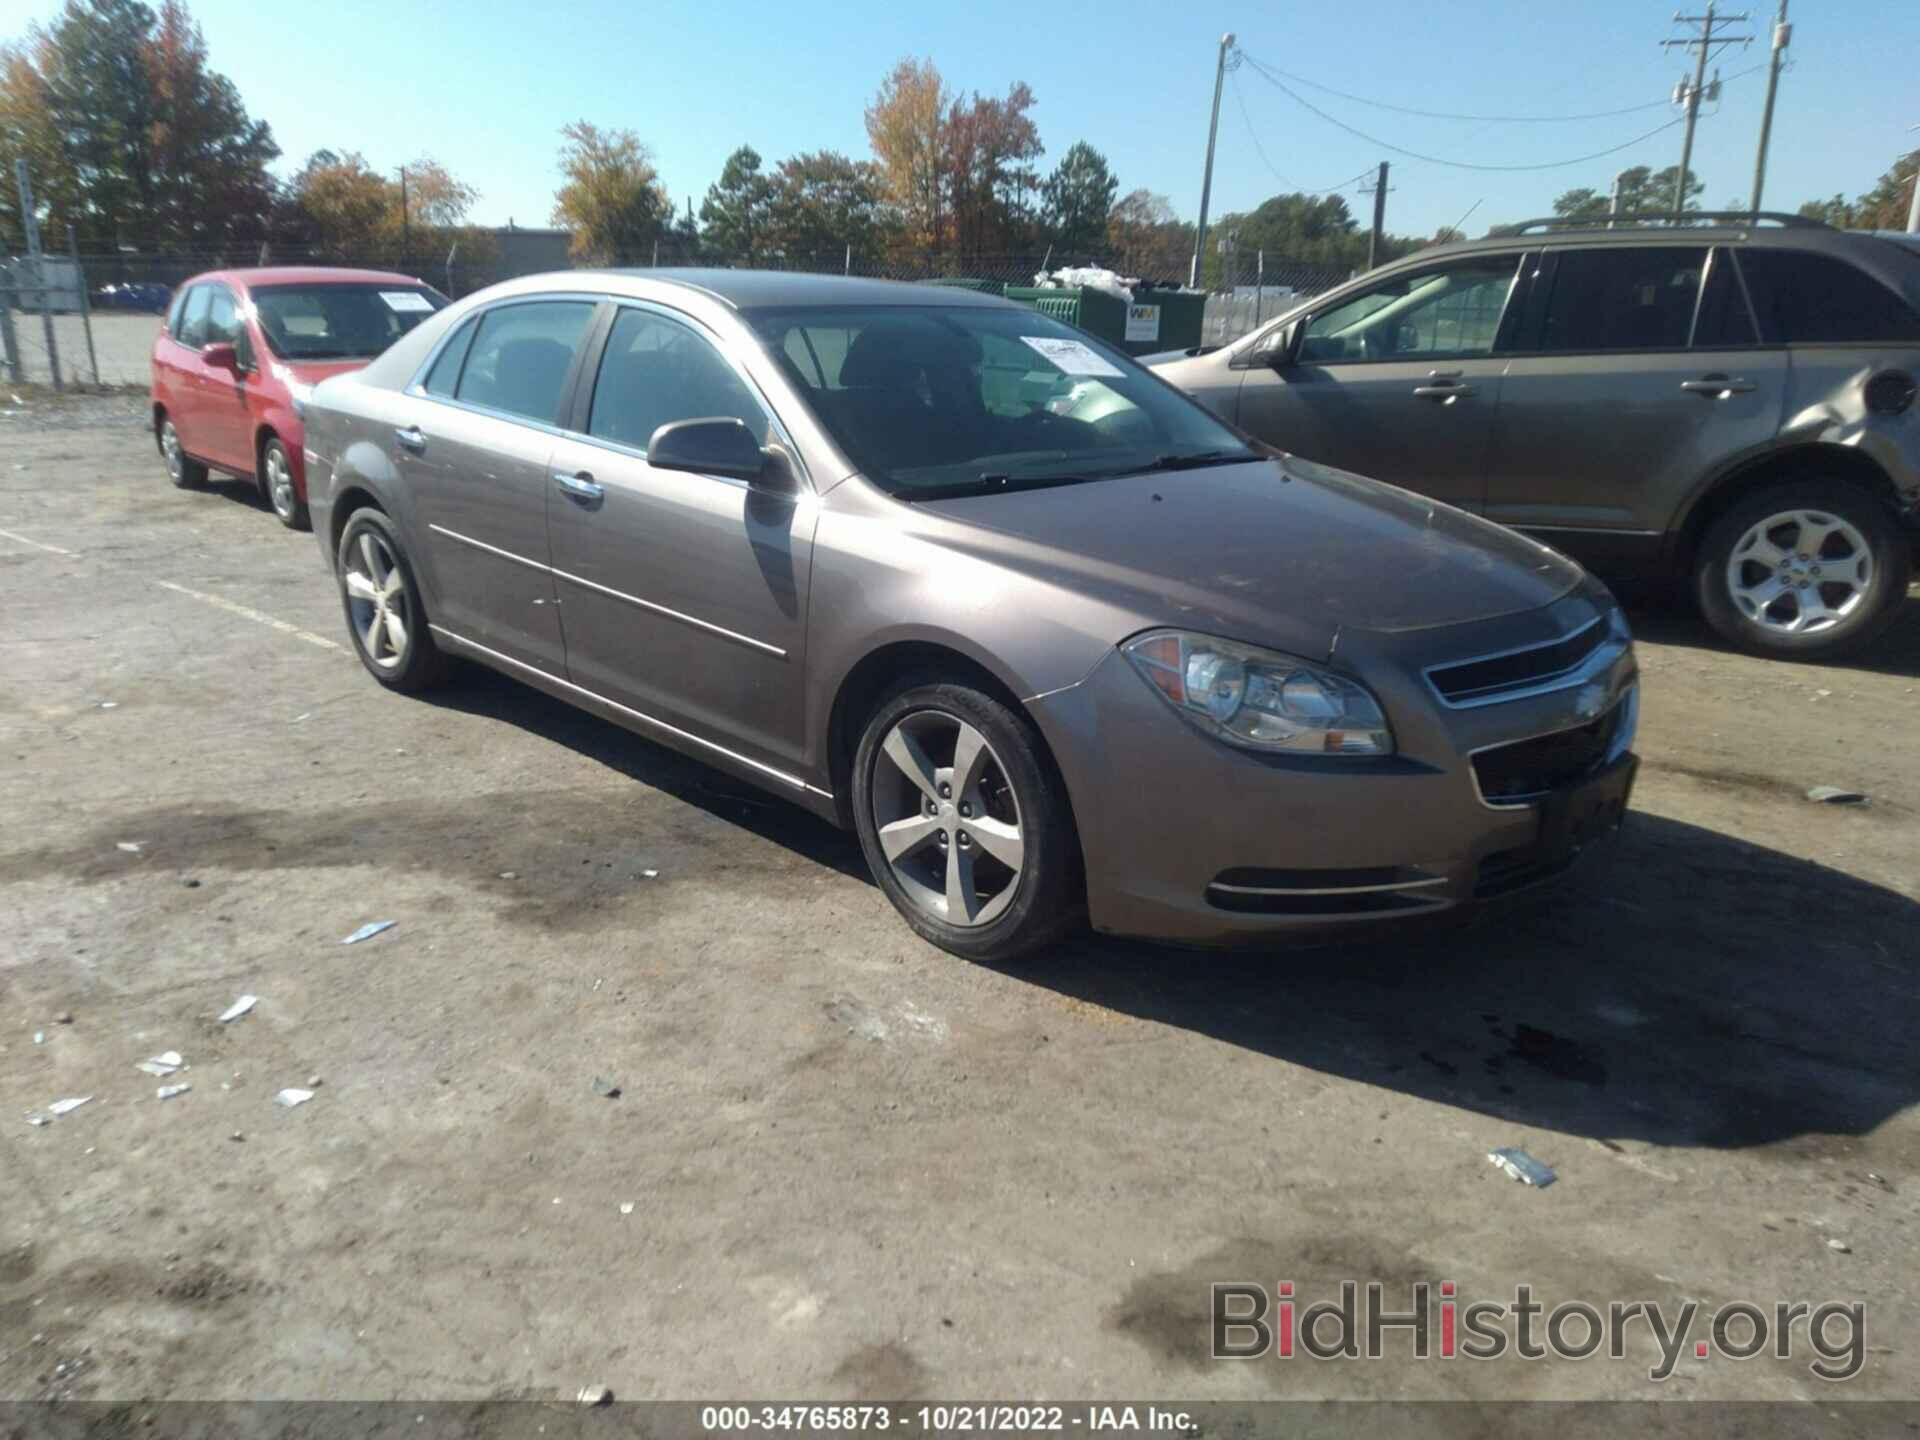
column 378, row 601
column 280, row 483
column 170, row 448
column 947, row 820
column 1800, row 572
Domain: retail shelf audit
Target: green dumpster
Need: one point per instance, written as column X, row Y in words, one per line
column 1156, row 320
column 962, row 282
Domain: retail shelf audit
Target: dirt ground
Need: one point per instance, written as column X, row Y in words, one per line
column 856, row 1166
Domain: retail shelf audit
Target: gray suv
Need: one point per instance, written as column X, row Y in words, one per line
column 1728, row 402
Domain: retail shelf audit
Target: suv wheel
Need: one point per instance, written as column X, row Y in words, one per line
column 382, row 601
column 965, row 822
column 1809, row 569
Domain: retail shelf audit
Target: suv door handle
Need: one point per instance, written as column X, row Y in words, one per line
column 1718, row 386
column 1446, row 392
column 581, row 487
column 411, row 438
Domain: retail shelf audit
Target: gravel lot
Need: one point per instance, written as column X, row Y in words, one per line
column 857, row 1167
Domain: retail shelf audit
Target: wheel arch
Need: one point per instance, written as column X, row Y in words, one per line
column 345, row 505
column 1811, row 460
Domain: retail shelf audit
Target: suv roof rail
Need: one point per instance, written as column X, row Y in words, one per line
column 1665, row 217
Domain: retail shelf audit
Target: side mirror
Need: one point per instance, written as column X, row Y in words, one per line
column 220, row 355
column 711, row 447
column 1285, row 346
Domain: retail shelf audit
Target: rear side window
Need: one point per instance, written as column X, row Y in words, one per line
column 1808, row 299
column 1725, row 320
column 446, row 370
column 193, row 319
column 1622, row 299
column 521, row 355
column 657, row 371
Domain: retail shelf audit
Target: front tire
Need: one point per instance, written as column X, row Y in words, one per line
column 965, row 822
column 276, row 483
column 381, row 598
column 185, row 473
column 1807, row 570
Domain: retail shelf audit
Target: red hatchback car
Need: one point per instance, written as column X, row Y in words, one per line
column 241, row 351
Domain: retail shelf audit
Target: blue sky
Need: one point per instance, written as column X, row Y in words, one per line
column 485, row 86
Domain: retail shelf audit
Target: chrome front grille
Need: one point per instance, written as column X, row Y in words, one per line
column 1489, row 679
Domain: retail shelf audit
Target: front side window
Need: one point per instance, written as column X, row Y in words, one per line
column 193, row 318
column 521, row 355
column 339, row 322
column 1807, row 299
column 1425, row 316
column 934, row 400
column 656, row 371
column 1622, row 298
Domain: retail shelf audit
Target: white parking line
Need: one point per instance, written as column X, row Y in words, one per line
column 247, row 613
column 38, row 545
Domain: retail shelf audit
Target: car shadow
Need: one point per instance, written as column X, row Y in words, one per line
column 1668, row 617
column 1681, row 987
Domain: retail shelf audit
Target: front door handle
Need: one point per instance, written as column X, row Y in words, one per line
column 411, row 439
column 581, row 487
column 1446, row 394
column 1720, row 387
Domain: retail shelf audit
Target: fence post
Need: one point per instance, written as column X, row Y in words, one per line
column 1259, row 285
column 86, row 304
column 9, row 344
column 31, row 225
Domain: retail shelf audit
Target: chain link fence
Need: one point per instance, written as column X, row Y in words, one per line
column 91, row 318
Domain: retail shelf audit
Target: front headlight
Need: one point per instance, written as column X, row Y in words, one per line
column 1258, row 698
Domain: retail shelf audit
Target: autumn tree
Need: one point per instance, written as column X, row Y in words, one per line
column 131, row 137
column 1145, row 237
column 906, row 125
column 735, row 211
column 341, row 205
column 1076, row 199
column 988, row 146
column 1642, row 191
column 826, row 205
column 612, row 200
column 1884, row 207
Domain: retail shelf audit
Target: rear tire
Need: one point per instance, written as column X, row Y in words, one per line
column 985, row 861
column 184, row 472
column 1806, row 570
column 276, row 483
column 385, row 617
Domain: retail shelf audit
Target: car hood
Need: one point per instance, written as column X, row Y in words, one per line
column 1279, row 551
column 312, row 372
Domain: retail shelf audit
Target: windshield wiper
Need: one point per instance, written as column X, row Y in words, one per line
column 995, row 482
column 1197, row 459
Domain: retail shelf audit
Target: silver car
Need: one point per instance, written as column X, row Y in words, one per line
column 838, row 538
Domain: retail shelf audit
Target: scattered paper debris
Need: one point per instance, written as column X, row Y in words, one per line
column 298, row 718
column 1841, row 1246
column 39, row 1037
column 239, row 1008
column 1834, row 795
column 163, row 1064
column 1522, row 1167
column 509, row 874
column 62, row 1107
column 368, row 931
column 291, row 1097
column 605, row 1088
column 132, row 847
column 39, row 1119
column 651, row 874
column 167, row 1092
column 594, row 1395
column 109, row 704
column 626, row 1207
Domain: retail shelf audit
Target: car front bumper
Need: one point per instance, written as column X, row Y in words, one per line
column 1195, row 841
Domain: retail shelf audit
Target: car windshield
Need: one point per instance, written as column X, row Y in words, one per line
column 940, row 401
column 340, row 322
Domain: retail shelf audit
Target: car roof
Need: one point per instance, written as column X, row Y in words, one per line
column 769, row 289
column 254, row 276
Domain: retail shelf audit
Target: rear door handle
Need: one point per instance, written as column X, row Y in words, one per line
column 411, row 439
column 1445, row 393
column 1718, row 386
column 581, row 487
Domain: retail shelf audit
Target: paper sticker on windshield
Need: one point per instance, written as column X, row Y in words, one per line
column 407, row 302
column 1072, row 357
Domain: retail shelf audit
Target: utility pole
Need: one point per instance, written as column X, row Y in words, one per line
column 1379, row 216
column 1706, row 42
column 1206, row 181
column 1782, row 37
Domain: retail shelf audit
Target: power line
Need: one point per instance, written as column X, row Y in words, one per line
column 1449, row 115
column 1261, row 150
column 1307, row 104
